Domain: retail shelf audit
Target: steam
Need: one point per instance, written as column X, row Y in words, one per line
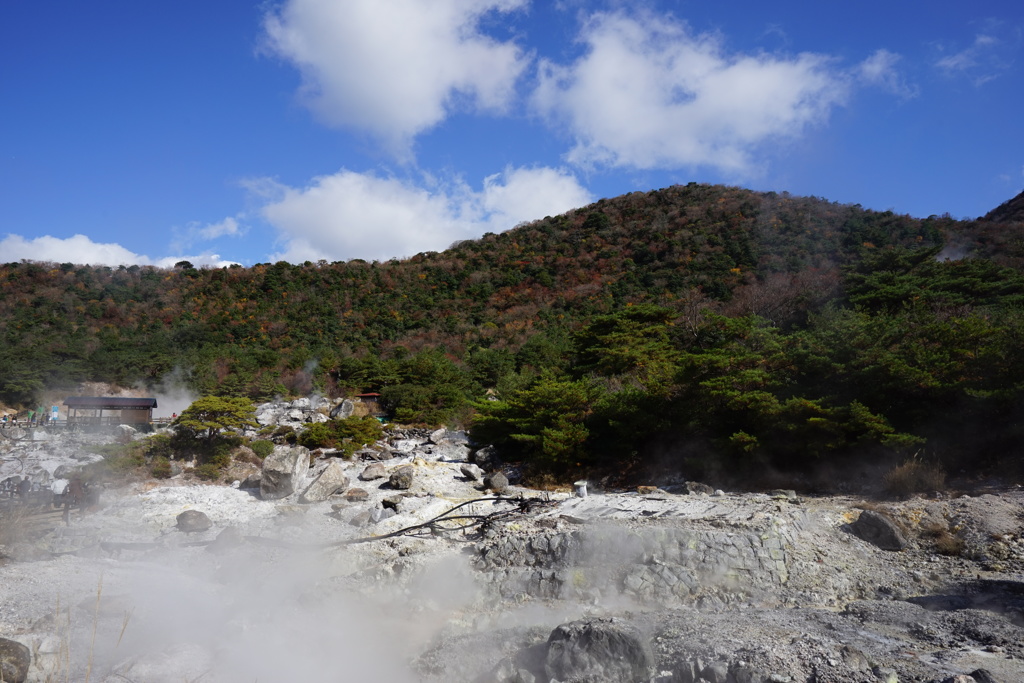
column 247, row 615
column 952, row 252
column 172, row 393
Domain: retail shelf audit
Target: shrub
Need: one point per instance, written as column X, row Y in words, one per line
column 318, row 435
column 914, row 476
column 160, row 468
column 123, row 464
column 284, row 434
column 207, row 472
column 160, row 446
column 262, row 448
column 348, row 435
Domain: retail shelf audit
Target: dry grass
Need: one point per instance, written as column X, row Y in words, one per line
column 945, row 541
column 914, row 476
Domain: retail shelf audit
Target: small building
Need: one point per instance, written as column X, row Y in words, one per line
column 109, row 410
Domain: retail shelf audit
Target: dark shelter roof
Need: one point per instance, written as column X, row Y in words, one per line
column 109, row 402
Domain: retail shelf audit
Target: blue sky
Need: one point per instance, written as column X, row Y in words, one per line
column 248, row 132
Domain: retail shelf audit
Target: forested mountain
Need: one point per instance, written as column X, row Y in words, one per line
column 758, row 326
column 1012, row 210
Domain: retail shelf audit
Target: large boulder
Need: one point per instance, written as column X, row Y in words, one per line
column 15, row 660
column 283, row 471
column 193, row 520
column 879, row 530
column 374, row 471
column 343, row 410
column 497, row 482
column 599, row 651
column 330, row 480
column 487, row 458
column 401, row 478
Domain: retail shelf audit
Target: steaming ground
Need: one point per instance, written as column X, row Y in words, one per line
column 762, row 584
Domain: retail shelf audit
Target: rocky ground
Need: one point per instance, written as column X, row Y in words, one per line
column 401, row 565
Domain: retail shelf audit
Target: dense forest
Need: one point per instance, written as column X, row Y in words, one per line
column 700, row 326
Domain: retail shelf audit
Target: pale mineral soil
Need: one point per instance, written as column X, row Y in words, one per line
column 121, row 594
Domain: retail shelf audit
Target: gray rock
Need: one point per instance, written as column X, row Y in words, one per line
column 878, row 530
column 283, row 470
column 497, row 482
column 438, row 436
column 487, row 458
column 361, row 519
column 374, row 471
column 393, row 502
column 15, row 659
column 599, row 651
column 471, row 472
column 697, row 488
column 343, row 410
column 193, row 520
column 330, row 480
column 402, row 477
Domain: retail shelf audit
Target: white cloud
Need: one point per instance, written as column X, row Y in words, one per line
column 880, row 70
column 227, row 227
column 80, row 249
column 395, row 67
column 650, row 94
column 76, row 249
column 185, row 238
column 990, row 54
column 353, row 215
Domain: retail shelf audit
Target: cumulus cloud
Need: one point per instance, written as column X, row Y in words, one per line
column 880, row 70
column 355, row 215
column 395, row 67
column 79, row 249
column 648, row 93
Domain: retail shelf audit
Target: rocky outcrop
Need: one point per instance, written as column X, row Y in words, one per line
column 283, row 471
column 599, row 651
column 657, row 564
column 295, row 413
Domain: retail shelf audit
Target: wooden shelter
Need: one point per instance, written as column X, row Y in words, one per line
column 91, row 409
